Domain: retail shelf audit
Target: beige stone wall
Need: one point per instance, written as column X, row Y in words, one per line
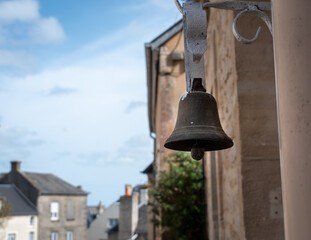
column 221, row 81
column 77, row 226
column 244, row 200
column 19, row 225
column 171, row 85
column 259, row 136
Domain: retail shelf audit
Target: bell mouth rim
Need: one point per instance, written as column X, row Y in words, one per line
column 212, row 145
column 209, row 139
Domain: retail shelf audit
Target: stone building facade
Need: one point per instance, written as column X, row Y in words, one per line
column 98, row 229
column 243, row 184
column 166, row 84
column 61, row 207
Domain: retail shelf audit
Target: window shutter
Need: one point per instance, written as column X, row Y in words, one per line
column 70, row 211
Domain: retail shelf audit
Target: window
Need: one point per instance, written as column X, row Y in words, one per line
column 70, row 211
column 12, row 236
column 112, row 222
column 31, row 236
column 69, row 235
column 54, row 211
column 54, row 235
column 32, row 221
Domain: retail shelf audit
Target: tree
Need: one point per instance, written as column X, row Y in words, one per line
column 5, row 210
column 178, row 198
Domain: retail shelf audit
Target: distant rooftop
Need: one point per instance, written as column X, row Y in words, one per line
column 20, row 205
column 148, row 169
column 166, row 35
column 115, row 228
column 49, row 184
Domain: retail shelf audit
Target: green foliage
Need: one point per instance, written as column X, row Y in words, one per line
column 178, row 198
column 5, row 211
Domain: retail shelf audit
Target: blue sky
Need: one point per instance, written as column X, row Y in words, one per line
column 73, row 89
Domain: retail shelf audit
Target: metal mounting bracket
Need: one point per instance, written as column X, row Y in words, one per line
column 245, row 7
column 195, row 33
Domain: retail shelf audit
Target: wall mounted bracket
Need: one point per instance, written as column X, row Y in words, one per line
column 195, row 34
column 245, row 7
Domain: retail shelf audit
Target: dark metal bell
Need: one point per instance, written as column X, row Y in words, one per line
column 198, row 127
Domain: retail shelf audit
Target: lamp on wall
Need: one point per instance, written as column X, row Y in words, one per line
column 198, row 128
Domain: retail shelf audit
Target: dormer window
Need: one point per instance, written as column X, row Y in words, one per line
column 54, row 211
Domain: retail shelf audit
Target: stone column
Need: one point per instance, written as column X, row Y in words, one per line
column 292, row 38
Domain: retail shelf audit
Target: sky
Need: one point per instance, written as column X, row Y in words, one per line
column 73, row 96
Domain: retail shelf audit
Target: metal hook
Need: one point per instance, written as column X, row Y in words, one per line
column 258, row 13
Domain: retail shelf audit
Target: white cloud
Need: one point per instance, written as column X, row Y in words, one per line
column 35, row 28
column 16, row 142
column 47, row 30
column 18, row 59
column 19, row 10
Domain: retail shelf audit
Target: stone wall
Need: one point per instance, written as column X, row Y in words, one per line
column 171, row 85
column 244, row 200
column 221, row 81
column 20, row 225
column 76, row 225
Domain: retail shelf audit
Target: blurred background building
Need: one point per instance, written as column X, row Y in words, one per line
column 61, row 207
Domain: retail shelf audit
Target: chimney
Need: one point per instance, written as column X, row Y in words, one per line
column 100, row 208
column 15, row 166
column 128, row 216
column 128, row 189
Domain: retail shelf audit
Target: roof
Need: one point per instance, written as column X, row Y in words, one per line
column 49, row 184
column 20, row 205
column 165, row 36
column 92, row 209
column 148, row 169
column 152, row 54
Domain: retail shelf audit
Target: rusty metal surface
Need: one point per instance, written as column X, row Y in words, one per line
column 195, row 34
column 198, row 125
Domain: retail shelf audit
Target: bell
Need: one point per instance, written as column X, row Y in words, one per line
column 198, row 127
